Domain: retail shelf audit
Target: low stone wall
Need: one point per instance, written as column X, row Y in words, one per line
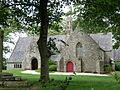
column 8, row 80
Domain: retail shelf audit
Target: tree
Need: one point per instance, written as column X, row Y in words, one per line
column 99, row 16
column 3, row 22
column 1, row 49
column 42, row 42
column 33, row 13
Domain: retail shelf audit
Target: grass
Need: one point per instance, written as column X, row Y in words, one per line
column 38, row 70
column 77, row 82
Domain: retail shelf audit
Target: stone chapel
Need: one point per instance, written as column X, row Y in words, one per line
column 83, row 52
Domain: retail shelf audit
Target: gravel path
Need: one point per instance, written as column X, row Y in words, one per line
column 63, row 73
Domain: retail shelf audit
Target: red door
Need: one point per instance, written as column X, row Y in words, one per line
column 70, row 67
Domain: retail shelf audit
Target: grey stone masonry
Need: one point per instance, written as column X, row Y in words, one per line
column 92, row 55
column 8, row 80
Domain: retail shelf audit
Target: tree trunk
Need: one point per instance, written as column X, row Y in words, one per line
column 1, row 49
column 42, row 42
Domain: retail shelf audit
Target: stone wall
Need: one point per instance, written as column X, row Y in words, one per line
column 91, row 53
column 31, row 53
column 11, row 65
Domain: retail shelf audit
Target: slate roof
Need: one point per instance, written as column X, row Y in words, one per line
column 116, row 53
column 19, row 50
column 55, row 57
column 18, row 54
column 104, row 41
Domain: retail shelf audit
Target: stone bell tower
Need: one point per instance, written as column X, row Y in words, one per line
column 69, row 25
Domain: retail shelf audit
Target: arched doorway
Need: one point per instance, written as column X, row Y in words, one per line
column 34, row 64
column 70, row 67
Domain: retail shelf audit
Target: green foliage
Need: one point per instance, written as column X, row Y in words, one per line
column 52, row 65
column 53, row 68
column 117, row 66
column 107, row 68
column 95, row 16
column 27, row 16
column 63, row 85
column 4, row 13
column 53, row 32
column 117, row 77
column 51, row 62
column 52, row 48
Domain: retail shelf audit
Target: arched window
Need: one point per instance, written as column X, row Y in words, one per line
column 79, row 50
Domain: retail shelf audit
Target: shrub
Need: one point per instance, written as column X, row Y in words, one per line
column 53, row 68
column 51, row 62
column 117, row 66
column 117, row 78
column 107, row 68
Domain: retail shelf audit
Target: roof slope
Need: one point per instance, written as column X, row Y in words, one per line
column 103, row 40
column 116, row 53
column 18, row 54
column 19, row 50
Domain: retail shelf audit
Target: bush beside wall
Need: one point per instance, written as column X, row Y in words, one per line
column 117, row 66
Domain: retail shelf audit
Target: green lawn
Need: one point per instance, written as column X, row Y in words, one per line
column 77, row 82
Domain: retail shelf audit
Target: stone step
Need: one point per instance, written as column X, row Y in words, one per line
column 14, row 84
column 12, row 78
column 19, row 78
column 6, row 74
column 7, row 78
